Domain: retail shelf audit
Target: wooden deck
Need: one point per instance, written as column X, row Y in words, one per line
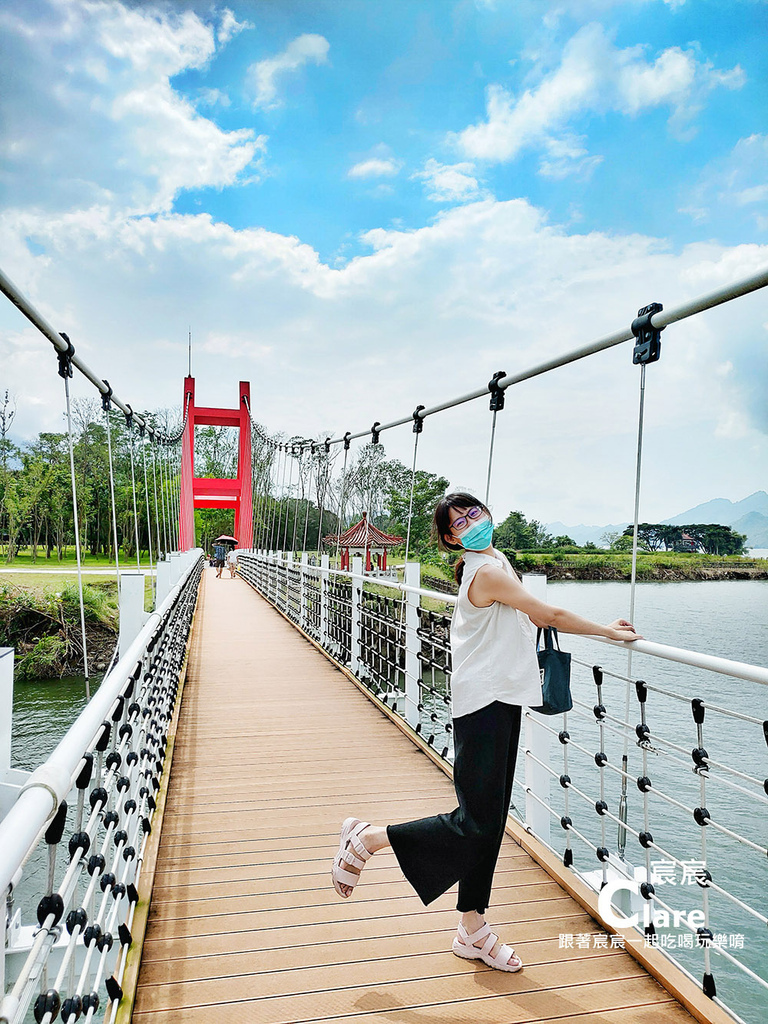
column 274, row 747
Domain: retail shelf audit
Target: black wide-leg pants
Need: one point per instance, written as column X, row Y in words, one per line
column 463, row 846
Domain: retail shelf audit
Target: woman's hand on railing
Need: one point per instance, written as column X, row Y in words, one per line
column 622, row 630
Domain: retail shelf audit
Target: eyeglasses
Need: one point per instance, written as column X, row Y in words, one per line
column 459, row 524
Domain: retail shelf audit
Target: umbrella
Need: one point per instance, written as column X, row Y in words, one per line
column 232, row 540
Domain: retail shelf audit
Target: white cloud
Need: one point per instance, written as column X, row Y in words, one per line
column 424, row 315
column 92, row 80
column 593, row 76
column 375, row 167
column 263, row 75
column 450, row 183
column 213, row 98
column 229, row 26
column 736, row 184
column 565, row 157
column 489, row 285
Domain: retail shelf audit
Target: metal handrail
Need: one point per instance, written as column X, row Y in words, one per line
column 21, row 828
column 694, row 659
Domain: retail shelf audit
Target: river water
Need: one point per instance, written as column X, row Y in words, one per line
column 726, row 618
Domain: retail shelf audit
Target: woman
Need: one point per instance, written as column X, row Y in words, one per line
column 495, row 673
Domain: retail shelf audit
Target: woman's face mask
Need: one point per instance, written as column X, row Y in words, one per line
column 478, row 536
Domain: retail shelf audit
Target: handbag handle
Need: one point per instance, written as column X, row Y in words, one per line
column 551, row 639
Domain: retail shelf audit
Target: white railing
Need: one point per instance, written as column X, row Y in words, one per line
column 96, row 792
column 686, row 866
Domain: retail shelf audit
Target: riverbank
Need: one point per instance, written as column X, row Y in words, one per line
column 671, row 566
column 42, row 623
column 605, row 566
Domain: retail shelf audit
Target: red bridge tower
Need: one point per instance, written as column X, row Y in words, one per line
column 213, row 492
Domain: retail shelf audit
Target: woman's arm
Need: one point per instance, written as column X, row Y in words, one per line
column 493, row 584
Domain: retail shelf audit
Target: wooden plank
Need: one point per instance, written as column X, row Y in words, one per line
column 274, row 748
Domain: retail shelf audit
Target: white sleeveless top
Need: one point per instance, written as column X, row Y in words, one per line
column 493, row 649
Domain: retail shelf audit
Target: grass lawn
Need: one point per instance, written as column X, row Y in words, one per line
column 52, row 582
column 24, row 561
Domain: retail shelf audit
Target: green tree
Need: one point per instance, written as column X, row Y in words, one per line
column 517, row 533
column 428, row 488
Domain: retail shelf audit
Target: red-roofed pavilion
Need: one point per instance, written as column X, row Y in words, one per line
column 367, row 540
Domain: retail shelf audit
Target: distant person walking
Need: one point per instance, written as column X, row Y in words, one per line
column 232, row 563
column 219, row 554
column 495, row 674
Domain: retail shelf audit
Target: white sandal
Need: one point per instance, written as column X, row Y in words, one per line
column 352, row 853
column 464, row 946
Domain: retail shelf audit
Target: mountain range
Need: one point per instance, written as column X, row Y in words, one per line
column 748, row 516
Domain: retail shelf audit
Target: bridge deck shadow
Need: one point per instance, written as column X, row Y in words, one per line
column 274, row 748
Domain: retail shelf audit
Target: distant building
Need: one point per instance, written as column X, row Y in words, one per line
column 366, row 540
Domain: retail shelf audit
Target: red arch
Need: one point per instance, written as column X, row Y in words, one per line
column 215, row 492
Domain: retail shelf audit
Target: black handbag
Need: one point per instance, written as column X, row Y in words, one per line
column 555, row 669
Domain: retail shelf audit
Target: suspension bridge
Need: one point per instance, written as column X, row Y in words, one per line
column 183, row 827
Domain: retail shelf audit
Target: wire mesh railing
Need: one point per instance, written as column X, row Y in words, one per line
column 91, row 805
column 643, row 807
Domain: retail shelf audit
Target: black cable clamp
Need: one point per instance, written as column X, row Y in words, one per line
column 648, row 344
column 65, row 358
column 497, row 393
column 375, row 432
column 129, row 417
column 418, row 421
column 106, row 397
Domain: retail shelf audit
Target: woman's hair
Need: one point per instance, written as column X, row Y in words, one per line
column 441, row 522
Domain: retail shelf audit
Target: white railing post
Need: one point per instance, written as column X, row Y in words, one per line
column 303, row 590
column 6, row 708
column 357, row 591
column 132, row 614
column 288, row 567
column 412, row 578
column 175, row 569
column 536, row 743
column 162, row 581
column 325, row 578
column 11, row 779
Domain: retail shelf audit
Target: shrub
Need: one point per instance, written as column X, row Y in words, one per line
column 47, row 658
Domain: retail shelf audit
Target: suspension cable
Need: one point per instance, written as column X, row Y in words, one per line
column 154, row 491
column 299, row 488
column 129, row 419
column 146, row 497
column 258, row 504
column 255, row 494
column 65, row 371
column 418, row 426
column 497, row 403
column 287, row 506
column 105, row 405
column 164, row 535
column 326, row 474
column 312, row 466
column 342, row 495
column 278, row 486
column 164, row 498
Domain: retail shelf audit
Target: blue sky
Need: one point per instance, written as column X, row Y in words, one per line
column 389, row 88
column 364, row 206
